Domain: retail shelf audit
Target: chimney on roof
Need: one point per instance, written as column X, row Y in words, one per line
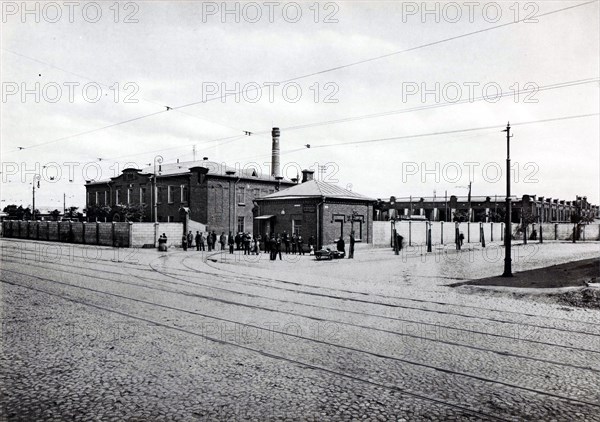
column 275, row 152
column 307, row 175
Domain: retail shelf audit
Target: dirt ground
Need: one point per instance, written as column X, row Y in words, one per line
column 572, row 274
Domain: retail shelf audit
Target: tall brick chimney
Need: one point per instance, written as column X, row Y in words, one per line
column 307, row 175
column 275, row 153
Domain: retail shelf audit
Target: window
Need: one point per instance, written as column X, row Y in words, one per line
column 240, row 224
column 96, row 199
column 117, row 196
column 105, row 197
column 358, row 230
column 170, row 194
column 297, row 227
column 241, row 195
column 142, row 195
column 158, row 194
column 129, row 195
column 183, row 193
column 256, row 193
column 88, row 198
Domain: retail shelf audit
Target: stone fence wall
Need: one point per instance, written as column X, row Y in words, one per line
column 445, row 232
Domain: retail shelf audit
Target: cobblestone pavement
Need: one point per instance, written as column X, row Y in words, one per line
column 94, row 333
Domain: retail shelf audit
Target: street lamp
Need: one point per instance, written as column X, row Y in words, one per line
column 507, row 222
column 38, row 178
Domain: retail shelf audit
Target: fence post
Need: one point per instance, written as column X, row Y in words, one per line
column 442, row 232
column 555, row 231
column 130, row 235
column 97, row 233
column 492, row 231
column 410, row 233
column 468, row 232
column 482, row 235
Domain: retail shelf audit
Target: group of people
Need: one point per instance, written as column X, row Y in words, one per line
column 201, row 242
column 341, row 245
column 273, row 244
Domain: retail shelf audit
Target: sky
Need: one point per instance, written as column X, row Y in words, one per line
column 389, row 95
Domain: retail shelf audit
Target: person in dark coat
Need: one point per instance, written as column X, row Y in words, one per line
column 190, row 239
column 198, row 240
column 352, row 241
column 272, row 248
column 341, row 245
column 222, row 240
column 277, row 248
column 247, row 240
column 238, row 241
column 294, row 243
column 286, row 242
column 231, row 242
column 209, row 241
column 300, row 245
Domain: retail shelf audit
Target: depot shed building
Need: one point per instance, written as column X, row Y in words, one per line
column 315, row 208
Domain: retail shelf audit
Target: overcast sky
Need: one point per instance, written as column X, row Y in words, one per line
column 179, row 53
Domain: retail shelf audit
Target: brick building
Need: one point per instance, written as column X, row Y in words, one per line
column 216, row 195
column 318, row 209
column 485, row 208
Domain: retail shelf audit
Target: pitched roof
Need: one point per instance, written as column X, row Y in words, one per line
column 316, row 188
column 214, row 168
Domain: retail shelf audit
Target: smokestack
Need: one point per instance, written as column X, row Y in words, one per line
column 275, row 152
column 307, row 175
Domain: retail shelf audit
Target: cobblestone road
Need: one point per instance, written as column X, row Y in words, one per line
column 103, row 334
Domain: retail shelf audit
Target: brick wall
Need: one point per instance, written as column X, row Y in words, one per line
column 306, row 211
column 105, row 234
column 89, row 233
column 77, row 232
column 53, row 231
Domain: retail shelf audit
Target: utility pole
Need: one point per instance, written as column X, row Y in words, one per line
column 35, row 177
column 508, row 228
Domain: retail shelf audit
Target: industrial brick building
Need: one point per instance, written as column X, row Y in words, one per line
column 211, row 193
column 484, row 208
column 316, row 209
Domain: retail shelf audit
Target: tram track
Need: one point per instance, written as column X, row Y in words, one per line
column 317, row 341
column 321, row 307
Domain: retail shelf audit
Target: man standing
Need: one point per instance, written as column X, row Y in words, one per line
column 231, row 242
column 190, row 239
column 209, row 241
column 294, row 243
column 352, row 240
column 278, row 248
column 198, row 240
column 214, row 240
column 286, row 242
column 222, row 241
column 300, row 246
column 341, row 245
column 247, row 240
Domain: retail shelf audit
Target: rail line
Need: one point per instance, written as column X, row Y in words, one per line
column 367, row 327
column 274, row 280
column 318, row 341
column 270, row 355
column 436, row 325
column 253, row 279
